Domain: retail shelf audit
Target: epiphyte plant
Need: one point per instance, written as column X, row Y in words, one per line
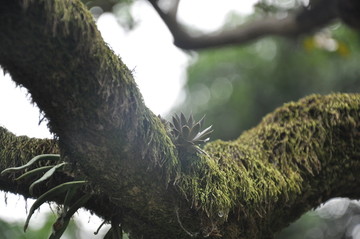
column 187, row 134
column 70, row 204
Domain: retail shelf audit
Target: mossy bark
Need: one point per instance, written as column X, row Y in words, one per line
column 299, row 156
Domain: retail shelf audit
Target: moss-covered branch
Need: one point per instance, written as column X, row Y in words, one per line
column 15, row 151
column 296, row 158
column 93, row 105
column 299, row 156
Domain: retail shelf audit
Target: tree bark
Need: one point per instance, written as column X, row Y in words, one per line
column 299, row 22
column 298, row 157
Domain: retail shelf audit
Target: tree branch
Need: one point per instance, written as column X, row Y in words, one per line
column 92, row 103
column 305, row 21
column 16, row 151
column 299, row 156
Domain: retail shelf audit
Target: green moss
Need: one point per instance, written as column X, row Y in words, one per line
column 270, row 165
column 159, row 146
column 97, row 112
column 16, row 151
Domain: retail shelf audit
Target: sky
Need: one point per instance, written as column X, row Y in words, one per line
column 158, row 66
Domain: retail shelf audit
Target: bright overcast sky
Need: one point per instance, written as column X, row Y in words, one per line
column 159, row 67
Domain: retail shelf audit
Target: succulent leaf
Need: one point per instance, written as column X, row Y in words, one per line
column 187, row 132
column 183, row 119
column 203, row 135
column 178, row 118
column 194, row 131
column 191, row 121
column 202, row 121
column 176, row 122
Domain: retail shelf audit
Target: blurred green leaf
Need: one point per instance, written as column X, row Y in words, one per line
column 237, row 86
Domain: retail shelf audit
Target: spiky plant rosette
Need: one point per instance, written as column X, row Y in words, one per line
column 187, row 133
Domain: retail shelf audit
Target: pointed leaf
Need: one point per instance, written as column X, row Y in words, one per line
column 194, row 131
column 185, row 131
column 34, row 172
column 175, row 132
column 64, row 219
column 202, row 121
column 191, row 121
column 199, row 150
column 69, row 196
column 183, row 120
column 46, row 176
column 176, row 123
column 201, row 141
column 177, row 117
column 49, row 195
column 32, row 161
column 78, row 204
column 204, row 134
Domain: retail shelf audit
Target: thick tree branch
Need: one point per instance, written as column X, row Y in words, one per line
column 299, row 156
column 16, row 151
column 305, row 21
column 91, row 100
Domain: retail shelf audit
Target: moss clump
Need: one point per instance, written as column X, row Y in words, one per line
column 269, row 166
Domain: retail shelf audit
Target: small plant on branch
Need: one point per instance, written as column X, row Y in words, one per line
column 187, row 133
column 73, row 200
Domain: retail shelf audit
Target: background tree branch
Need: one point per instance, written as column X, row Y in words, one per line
column 302, row 21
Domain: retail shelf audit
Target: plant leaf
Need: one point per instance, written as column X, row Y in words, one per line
column 177, row 117
column 185, row 131
column 183, row 120
column 202, row 121
column 68, row 197
column 190, row 121
column 47, row 175
column 32, row 161
column 176, row 123
column 194, row 130
column 203, row 135
column 64, row 219
column 199, row 150
column 34, row 171
column 78, row 204
column 50, row 194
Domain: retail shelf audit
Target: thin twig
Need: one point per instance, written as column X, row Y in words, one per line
column 182, row 227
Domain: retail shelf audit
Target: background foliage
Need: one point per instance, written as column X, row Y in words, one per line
column 15, row 230
column 235, row 87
